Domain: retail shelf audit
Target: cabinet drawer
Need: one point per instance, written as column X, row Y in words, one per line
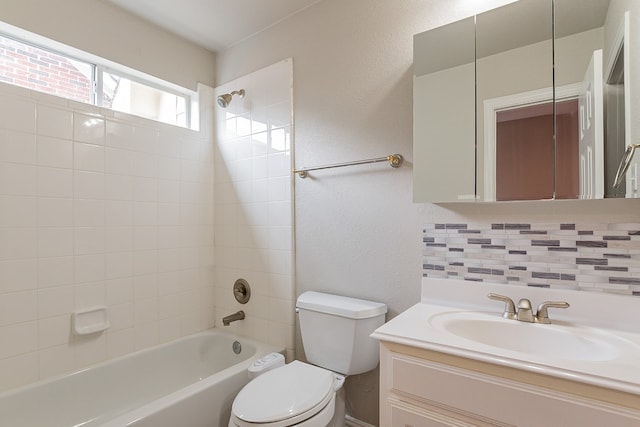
column 404, row 415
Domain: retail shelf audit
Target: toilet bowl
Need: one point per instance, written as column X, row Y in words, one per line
column 335, row 334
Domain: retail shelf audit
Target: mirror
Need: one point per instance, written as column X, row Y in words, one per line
column 514, row 115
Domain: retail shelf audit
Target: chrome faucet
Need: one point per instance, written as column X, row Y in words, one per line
column 525, row 313
column 238, row 315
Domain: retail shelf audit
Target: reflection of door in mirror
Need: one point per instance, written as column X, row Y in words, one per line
column 591, row 147
column 525, row 152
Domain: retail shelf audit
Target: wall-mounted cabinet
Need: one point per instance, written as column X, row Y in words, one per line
column 529, row 101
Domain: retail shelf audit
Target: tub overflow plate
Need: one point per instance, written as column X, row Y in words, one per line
column 241, row 291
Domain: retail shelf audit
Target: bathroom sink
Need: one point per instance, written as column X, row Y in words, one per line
column 554, row 340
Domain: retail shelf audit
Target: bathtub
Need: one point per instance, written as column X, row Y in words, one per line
column 190, row 382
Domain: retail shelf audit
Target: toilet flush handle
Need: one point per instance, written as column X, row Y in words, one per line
column 338, row 383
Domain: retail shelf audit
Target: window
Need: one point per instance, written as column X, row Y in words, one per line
column 39, row 68
column 42, row 70
column 125, row 94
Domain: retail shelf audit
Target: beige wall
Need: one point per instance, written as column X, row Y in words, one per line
column 358, row 232
column 102, row 29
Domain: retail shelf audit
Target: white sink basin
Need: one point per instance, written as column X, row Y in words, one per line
column 555, row 340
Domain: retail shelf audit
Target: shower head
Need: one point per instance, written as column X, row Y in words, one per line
column 225, row 100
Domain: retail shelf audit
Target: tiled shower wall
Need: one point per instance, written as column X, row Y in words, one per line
column 254, row 205
column 98, row 208
column 598, row 257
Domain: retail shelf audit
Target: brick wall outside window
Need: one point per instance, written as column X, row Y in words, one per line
column 27, row 66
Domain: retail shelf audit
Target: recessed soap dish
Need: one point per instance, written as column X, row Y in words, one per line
column 90, row 321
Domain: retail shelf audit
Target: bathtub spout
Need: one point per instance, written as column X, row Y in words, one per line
column 239, row 315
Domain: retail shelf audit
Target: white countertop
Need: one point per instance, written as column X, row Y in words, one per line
column 611, row 316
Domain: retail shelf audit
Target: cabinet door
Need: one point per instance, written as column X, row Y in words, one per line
column 466, row 395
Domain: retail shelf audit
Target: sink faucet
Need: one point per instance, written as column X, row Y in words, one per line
column 238, row 315
column 525, row 313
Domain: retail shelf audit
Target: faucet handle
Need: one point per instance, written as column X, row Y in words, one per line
column 510, row 307
column 542, row 315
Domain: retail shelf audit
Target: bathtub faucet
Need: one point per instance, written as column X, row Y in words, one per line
column 239, row 315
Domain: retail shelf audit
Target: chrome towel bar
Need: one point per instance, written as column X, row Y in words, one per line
column 395, row 161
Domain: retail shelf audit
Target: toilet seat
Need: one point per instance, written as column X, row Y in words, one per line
column 287, row 396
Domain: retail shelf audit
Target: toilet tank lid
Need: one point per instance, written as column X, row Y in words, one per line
column 352, row 308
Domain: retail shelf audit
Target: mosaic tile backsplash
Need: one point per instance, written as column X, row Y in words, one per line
column 595, row 257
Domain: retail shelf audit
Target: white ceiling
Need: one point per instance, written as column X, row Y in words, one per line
column 214, row 24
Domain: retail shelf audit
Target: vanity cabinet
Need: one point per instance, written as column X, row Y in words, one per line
column 424, row 388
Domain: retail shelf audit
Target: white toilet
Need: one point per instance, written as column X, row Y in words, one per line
column 335, row 334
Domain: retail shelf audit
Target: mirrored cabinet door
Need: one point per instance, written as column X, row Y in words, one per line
column 514, row 78
column 444, row 113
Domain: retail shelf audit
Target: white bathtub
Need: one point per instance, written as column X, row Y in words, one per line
column 190, row 382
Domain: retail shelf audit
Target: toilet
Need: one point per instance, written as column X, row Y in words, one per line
column 335, row 334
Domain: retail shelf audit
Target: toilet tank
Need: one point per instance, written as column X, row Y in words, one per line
column 335, row 331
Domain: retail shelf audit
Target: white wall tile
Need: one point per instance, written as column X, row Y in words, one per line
column 121, row 316
column 54, row 331
column 119, row 187
column 89, row 240
column 55, row 212
column 18, row 243
column 145, row 262
column 55, row 122
column 119, row 135
column 55, row 301
column 119, row 265
column 18, row 275
column 55, row 182
column 146, row 139
column 17, row 114
column 55, row 271
column 120, row 343
column 168, row 168
column 54, row 152
column 89, row 213
column 118, row 161
column 89, row 268
column 17, row 147
column 145, row 164
column 17, row 211
column 55, row 241
column 88, row 295
column 16, row 307
column 88, row 185
column 18, row 339
column 119, row 238
column 88, row 128
column 145, row 189
column 88, row 157
column 17, row 179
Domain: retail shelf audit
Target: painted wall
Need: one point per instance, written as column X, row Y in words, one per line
column 357, row 231
column 100, row 28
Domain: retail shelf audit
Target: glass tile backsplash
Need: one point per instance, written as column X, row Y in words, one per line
column 596, row 257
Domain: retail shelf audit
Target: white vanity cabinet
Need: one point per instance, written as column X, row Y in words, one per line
column 425, row 388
